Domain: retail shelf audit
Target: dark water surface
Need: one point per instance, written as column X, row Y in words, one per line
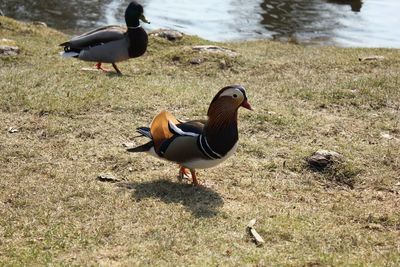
column 363, row 23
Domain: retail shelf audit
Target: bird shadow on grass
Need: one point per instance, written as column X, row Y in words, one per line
column 201, row 201
column 113, row 74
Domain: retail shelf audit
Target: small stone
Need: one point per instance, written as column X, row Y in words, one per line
column 39, row 23
column 215, row 49
column 13, row 130
column 130, row 169
column 386, row 136
column 128, row 144
column 107, row 178
column 371, row 58
column 6, row 50
column 321, row 159
column 176, row 58
column 196, row 61
column 374, row 226
column 43, row 113
column 222, row 64
column 170, row 35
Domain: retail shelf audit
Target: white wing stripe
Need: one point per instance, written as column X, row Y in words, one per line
column 179, row 131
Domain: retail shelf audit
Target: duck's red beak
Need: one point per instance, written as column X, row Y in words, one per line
column 246, row 104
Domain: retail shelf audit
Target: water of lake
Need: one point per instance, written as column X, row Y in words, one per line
column 365, row 23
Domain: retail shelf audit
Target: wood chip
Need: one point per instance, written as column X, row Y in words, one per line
column 251, row 223
column 254, row 234
column 371, row 58
column 90, row 69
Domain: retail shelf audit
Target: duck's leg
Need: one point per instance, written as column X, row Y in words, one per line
column 194, row 178
column 99, row 67
column 116, row 69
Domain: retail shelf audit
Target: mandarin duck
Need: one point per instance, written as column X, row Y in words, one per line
column 197, row 144
column 111, row 44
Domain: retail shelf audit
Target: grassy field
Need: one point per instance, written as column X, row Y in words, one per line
column 72, row 123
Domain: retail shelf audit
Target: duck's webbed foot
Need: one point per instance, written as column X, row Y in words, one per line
column 195, row 182
column 99, row 67
column 183, row 173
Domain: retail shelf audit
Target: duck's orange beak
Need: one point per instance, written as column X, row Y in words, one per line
column 246, row 104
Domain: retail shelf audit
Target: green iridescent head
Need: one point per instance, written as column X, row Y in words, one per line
column 134, row 13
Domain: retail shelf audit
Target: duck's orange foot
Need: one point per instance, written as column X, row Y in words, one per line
column 195, row 182
column 99, row 67
column 183, row 173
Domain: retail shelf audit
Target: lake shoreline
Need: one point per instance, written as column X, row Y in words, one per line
column 63, row 128
column 350, row 23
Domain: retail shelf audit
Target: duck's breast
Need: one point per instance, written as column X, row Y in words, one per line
column 138, row 41
column 202, row 163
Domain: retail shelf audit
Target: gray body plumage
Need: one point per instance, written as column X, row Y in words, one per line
column 100, row 53
column 184, row 147
column 107, row 44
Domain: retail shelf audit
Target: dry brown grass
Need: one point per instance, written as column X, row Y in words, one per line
column 53, row 210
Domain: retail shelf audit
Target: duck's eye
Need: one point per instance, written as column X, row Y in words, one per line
column 234, row 95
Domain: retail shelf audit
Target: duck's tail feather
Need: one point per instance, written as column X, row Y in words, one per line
column 145, row 131
column 65, row 44
column 143, row 148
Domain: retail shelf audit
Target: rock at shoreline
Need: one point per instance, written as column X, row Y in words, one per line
column 170, row 35
column 9, row 42
column 215, row 49
column 6, row 50
column 39, row 23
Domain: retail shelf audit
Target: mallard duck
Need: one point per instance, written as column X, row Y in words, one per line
column 111, row 44
column 197, row 144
